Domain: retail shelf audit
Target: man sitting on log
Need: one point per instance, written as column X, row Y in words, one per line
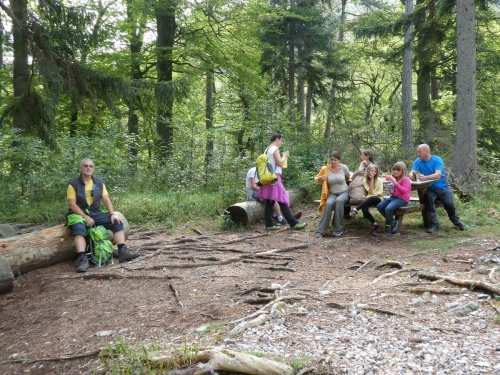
column 84, row 197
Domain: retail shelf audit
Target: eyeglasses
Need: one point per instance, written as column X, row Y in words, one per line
column 87, row 166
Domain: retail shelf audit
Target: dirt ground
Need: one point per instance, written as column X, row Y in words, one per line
column 55, row 320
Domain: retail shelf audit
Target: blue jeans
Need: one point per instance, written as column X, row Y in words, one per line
column 388, row 206
column 446, row 198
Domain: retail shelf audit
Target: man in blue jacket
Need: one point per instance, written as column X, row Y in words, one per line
column 431, row 167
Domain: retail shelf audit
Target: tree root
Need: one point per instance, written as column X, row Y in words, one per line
column 225, row 360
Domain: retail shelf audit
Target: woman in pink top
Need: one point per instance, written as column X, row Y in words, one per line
column 399, row 198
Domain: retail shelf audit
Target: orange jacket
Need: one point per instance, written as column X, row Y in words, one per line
column 325, row 190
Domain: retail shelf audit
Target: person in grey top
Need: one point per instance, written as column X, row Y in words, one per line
column 334, row 194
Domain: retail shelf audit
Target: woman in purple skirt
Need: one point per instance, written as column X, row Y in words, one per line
column 277, row 193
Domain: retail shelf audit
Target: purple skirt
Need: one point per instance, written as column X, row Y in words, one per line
column 275, row 192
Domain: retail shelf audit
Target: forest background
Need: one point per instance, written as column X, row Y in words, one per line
column 173, row 100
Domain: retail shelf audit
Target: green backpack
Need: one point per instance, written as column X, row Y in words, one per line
column 101, row 248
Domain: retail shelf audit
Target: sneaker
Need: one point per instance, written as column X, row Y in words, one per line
column 124, row 255
column 300, row 225
column 461, row 226
column 318, row 235
column 433, row 229
column 394, row 228
column 337, row 233
column 353, row 213
column 298, row 215
column 274, row 227
column 82, row 264
column 282, row 221
column 374, row 227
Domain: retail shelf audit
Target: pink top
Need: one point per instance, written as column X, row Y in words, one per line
column 403, row 189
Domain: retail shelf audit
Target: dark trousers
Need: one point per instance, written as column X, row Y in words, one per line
column 285, row 211
column 446, row 198
column 365, row 207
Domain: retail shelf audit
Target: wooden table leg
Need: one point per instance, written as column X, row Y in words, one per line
column 421, row 199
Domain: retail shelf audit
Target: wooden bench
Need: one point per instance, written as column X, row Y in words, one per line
column 414, row 206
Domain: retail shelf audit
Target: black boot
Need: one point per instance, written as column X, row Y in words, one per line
column 388, row 229
column 124, row 255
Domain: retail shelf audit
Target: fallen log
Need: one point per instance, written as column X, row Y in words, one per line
column 248, row 212
column 42, row 248
column 471, row 284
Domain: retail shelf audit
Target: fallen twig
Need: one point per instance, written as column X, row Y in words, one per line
column 176, row 294
column 390, row 263
column 394, row 273
column 364, row 265
column 492, row 272
column 279, row 269
column 52, row 359
column 471, row 284
column 435, row 290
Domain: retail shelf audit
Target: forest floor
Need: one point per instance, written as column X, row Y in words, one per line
column 188, row 286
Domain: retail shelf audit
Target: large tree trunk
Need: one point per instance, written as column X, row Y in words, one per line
column 247, row 212
column 465, row 157
column 333, row 90
column 407, row 84
column 43, row 248
column 165, row 21
column 21, row 69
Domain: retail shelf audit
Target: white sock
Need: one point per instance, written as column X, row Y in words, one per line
column 280, row 218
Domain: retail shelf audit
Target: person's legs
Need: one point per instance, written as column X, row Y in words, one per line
column 391, row 207
column 327, row 214
column 124, row 255
column 338, row 220
column 79, row 233
column 285, row 210
column 430, row 206
column 446, row 198
column 268, row 218
column 365, row 207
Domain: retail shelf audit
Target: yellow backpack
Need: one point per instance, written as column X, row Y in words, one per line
column 265, row 171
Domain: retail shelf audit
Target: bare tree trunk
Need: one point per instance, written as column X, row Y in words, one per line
column 465, row 157
column 165, row 22
column 407, row 136
column 291, row 69
column 333, row 90
column 209, row 147
column 137, row 26
column 309, row 104
column 21, row 69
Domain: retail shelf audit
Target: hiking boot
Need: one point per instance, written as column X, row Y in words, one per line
column 433, row 228
column 337, row 233
column 274, row 227
column 298, row 215
column 461, row 226
column 395, row 224
column 299, row 225
column 353, row 213
column 388, row 230
column 318, row 235
column 124, row 255
column 374, row 227
column 282, row 221
column 82, row 264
